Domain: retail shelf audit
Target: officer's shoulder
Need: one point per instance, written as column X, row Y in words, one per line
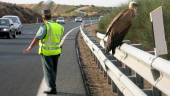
column 43, row 25
column 59, row 24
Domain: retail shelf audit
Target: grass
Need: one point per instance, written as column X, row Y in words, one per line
column 141, row 30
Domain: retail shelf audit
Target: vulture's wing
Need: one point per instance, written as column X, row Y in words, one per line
column 113, row 21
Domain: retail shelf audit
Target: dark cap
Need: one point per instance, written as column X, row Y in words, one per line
column 46, row 12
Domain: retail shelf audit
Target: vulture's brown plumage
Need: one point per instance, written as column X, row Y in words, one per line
column 118, row 28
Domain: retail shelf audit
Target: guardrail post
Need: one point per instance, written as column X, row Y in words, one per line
column 120, row 64
column 139, row 81
column 148, row 92
column 156, row 92
column 94, row 58
column 108, row 80
column 114, row 87
column 105, row 74
column 101, row 68
column 115, row 62
column 91, row 53
column 125, row 71
column 132, row 78
column 98, row 64
column 129, row 71
column 119, row 93
column 153, row 92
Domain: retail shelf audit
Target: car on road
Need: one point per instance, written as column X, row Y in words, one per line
column 17, row 22
column 7, row 28
column 60, row 20
column 78, row 19
column 100, row 18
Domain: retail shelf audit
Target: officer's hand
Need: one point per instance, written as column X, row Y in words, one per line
column 27, row 50
column 60, row 45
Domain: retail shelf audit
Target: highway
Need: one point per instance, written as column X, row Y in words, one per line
column 21, row 74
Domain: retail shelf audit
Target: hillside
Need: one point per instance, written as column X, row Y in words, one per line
column 26, row 15
column 29, row 12
column 68, row 10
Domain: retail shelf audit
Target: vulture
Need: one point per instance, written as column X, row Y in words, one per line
column 119, row 27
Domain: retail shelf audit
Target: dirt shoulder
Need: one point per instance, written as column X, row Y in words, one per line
column 96, row 81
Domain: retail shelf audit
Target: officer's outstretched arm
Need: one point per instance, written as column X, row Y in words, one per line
column 32, row 44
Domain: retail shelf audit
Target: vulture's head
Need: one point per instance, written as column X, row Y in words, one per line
column 133, row 5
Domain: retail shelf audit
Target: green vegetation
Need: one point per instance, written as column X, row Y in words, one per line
column 141, row 30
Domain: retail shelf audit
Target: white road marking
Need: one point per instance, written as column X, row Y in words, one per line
column 43, row 85
column 63, row 39
column 42, row 88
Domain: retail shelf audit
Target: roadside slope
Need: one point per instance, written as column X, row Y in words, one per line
column 26, row 15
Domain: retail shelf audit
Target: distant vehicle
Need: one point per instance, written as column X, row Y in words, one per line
column 7, row 28
column 100, row 18
column 60, row 20
column 17, row 22
column 78, row 19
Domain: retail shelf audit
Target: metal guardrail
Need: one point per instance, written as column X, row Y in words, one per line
column 125, row 85
column 153, row 69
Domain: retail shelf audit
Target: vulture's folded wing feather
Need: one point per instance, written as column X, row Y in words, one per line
column 113, row 21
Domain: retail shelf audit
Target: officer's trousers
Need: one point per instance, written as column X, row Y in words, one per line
column 49, row 64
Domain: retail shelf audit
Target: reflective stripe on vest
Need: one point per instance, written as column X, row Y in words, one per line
column 50, row 48
column 50, row 44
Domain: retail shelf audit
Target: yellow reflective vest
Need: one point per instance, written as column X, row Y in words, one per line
column 49, row 45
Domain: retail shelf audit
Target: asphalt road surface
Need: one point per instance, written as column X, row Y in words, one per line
column 21, row 74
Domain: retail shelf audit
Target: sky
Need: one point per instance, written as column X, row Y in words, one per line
column 106, row 3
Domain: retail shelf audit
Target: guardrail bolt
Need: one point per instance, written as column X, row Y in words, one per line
column 114, row 87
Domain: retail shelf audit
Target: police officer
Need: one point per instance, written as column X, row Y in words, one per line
column 49, row 36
